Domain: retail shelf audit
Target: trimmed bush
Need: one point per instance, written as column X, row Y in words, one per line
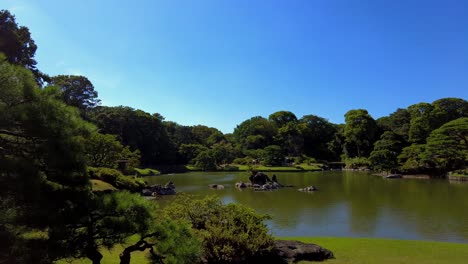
column 229, row 233
column 116, row 178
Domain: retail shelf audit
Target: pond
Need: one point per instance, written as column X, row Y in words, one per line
column 348, row 204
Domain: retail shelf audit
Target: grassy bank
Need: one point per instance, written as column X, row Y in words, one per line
column 383, row 251
column 238, row 167
column 355, row 251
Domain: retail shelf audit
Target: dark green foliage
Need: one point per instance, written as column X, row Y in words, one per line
column 272, row 155
column 448, row 109
column 230, row 233
column 398, row 122
column 447, row 146
column 17, row 45
column 206, row 160
column 411, row 158
column 138, row 130
column 357, row 163
column 360, row 133
column 43, row 173
column 386, row 150
column 190, row 151
column 281, row 118
column 116, row 178
column 77, row 91
column 317, row 132
column 256, row 132
column 104, row 150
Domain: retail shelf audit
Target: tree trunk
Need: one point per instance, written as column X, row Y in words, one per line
column 94, row 255
column 139, row 246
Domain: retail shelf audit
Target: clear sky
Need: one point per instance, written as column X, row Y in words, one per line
column 220, row 62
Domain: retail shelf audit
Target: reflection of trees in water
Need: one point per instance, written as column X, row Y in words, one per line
column 348, row 203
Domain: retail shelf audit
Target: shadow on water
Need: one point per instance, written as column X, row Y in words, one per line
column 354, row 204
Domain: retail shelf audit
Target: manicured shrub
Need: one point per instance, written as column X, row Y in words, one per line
column 229, row 233
column 116, row 178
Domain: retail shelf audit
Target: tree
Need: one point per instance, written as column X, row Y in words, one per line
column 317, row 133
column 448, row 109
column 360, row 132
column 204, row 135
column 138, row 130
column 17, row 45
column 272, row 155
column 229, row 233
column 411, row 157
column 281, row 118
column 398, row 122
column 206, row 160
column 422, row 122
column 103, row 150
column 386, row 150
column 190, row 151
column 43, row 172
column 77, row 91
column 254, row 133
column 447, row 146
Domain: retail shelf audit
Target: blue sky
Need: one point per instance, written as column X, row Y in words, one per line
column 219, row 62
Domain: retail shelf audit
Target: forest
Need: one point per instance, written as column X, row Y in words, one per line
column 55, row 135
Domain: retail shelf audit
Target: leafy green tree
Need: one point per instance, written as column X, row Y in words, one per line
column 272, row 155
column 360, row 132
column 206, row 160
column 398, row 122
column 386, row 150
column 103, row 150
column 190, row 151
column 204, row 135
column 254, row 133
column 17, row 45
column 291, row 139
column 422, row 122
column 411, row 157
column 281, row 118
column 317, row 133
column 338, row 143
column 43, row 171
column 448, row 109
column 77, row 91
column 230, row 233
column 138, row 130
column 447, row 146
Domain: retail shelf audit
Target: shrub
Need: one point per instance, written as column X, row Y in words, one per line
column 229, row 233
column 358, row 162
column 116, row 178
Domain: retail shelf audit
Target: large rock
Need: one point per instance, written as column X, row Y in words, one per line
column 309, row 189
column 158, row 189
column 241, row 185
column 216, row 186
column 294, row 251
column 259, row 178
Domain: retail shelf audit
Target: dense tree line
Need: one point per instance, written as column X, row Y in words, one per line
column 53, row 131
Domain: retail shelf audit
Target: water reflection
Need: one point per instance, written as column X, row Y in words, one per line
column 347, row 204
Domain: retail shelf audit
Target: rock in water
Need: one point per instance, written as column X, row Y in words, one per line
column 216, row 186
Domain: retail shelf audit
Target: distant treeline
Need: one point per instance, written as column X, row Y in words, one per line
column 422, row 137
column 53, row 131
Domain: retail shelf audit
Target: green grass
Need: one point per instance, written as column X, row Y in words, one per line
column 99, row 185
column 351, row 251
column 296, row 168
column 147, row 172
column 383, row 251
column 112, row 256
column 301, row 167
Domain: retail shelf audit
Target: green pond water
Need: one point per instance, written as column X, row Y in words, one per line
column 348, row 204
